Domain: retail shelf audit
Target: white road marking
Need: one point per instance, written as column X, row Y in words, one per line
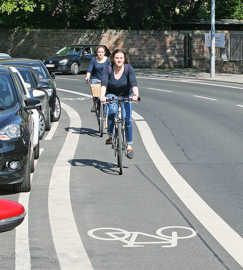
column 51, row 132
column 22, row 250
column 230, row 240
column 202, row 97
column 74, row 92
column 189, row 80
column 69, row 247
column 161, row 90
column 239, row 105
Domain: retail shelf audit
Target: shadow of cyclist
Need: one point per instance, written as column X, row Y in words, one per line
column 105, row 167
column 84, row 131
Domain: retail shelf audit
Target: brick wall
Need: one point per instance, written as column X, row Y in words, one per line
column 151, row 49
column 145, row 48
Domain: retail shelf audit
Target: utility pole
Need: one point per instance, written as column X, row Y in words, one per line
column 212, row 39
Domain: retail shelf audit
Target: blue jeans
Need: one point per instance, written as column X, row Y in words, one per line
column 126, row 110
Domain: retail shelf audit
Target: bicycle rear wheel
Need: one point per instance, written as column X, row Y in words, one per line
column 101, row 120
column 119, row 149
column 97, row 111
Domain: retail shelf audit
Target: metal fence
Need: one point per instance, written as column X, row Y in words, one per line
column 236, row 47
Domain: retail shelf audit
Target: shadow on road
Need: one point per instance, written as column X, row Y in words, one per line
column 85, row 131
column 106, row 167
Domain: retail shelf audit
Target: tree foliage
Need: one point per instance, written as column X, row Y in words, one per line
column 126, row 14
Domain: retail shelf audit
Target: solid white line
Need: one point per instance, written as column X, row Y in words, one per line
column 161, row 90
column 239, row 105
column 51, row 132
column 22, row 250
column 202, row 97
column 230, row 240
column 69, row 247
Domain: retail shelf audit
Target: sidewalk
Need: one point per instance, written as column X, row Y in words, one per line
column 189, row 73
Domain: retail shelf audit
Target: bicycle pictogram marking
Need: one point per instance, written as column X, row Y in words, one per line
column 139, row 239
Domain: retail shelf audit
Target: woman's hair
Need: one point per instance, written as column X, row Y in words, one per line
column 119, row 51
column 100, row 46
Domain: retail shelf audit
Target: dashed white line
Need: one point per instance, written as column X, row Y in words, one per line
column 161, row 90
column 239, row 105
column 202, row 97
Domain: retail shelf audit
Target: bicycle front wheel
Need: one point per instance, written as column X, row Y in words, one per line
column 119, row 149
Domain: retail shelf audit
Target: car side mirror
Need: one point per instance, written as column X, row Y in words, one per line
column 31, row 103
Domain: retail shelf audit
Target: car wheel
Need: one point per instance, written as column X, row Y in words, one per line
column 48, row 120
column 25, row 186
column 57, row 110
column 74, row 69
column 42, row 125
column 37, row 151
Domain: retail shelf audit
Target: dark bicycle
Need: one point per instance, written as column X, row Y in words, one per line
column 99, row 107
column 118, row 137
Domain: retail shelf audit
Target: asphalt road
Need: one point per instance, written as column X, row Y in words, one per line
column 178, row 205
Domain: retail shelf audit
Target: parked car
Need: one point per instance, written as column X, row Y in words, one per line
column 47, row 80
column 16, row 132
column 4, row 56
column 72, row 59
column 34, row 114
column 12, row 214
column 37, row 90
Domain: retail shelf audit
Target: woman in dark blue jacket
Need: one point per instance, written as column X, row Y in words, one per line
column 119, row 79
column 96, row 67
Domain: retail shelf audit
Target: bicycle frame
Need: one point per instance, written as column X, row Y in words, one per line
column 118, row 136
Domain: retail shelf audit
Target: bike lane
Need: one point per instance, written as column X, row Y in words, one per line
column 122, row 220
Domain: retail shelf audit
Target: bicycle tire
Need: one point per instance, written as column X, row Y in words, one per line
column 101, row 120
column 97, row 111
column 119, row 148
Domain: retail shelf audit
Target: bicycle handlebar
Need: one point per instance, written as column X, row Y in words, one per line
column 121, row 99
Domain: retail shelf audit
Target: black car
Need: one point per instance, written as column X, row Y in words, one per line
column 38, row 90
column 16, row 132
column 72, row 59
column 46, row 79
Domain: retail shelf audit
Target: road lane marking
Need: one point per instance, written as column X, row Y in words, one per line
column 168, row 239
column 203, row 97
column 161, row 90
column 68, row 244
column 52, row 131
column 239, row 105
column 229, row 239
column 22, row 249
column 74, row 92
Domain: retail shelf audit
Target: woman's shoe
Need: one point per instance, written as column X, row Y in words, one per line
column 130, row 153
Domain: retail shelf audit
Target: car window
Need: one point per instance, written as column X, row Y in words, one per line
column 7, row 97
column 26, row 75
column 20, row 85
column 68, row 51
column 40, row 71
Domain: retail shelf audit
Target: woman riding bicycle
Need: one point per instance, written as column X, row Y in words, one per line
column 119, row 79
column 96, row 67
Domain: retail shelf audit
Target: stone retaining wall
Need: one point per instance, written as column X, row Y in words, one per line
column 146, row 49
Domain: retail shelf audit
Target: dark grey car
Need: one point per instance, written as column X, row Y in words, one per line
column 72, row 59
